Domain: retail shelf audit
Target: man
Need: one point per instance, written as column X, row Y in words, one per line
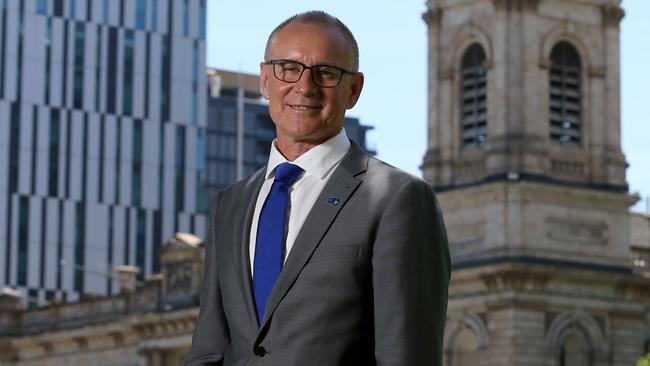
column 327, row 256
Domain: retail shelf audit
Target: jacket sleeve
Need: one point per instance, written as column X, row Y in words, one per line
column 411, row 273
column 211, row 337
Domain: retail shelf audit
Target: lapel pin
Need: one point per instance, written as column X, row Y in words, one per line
column 333, row 200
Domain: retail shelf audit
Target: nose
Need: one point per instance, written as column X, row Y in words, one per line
column 305, row 85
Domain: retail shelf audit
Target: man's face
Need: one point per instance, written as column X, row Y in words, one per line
column 304, row 112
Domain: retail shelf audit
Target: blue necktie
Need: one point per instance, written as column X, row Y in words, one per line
column 270, row 235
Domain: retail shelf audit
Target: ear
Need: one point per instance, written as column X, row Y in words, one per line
column 356, row 85
column 264, row 80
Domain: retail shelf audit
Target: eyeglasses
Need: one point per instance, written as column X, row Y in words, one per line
column 322, row 75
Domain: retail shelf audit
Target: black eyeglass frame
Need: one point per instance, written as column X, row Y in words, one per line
column 304, row 67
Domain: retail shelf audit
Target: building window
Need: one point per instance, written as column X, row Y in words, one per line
column 202, row 20
column 154, row 15
column 165, row 79
column 186, row 18
column 136, row 176
column 23, row 240
column 121, row 7
column 80, row 33
column 105, row 11
column 41, row 7
column 127, row 94
column 53, row 153
column 79, row 247
column 200, row 170
column 89, row 10
column 111, row 70
column 465, row 349
column 73, row 9
column 14, row 147
column 118, row 161
column 473, row 97
column 109, row 250
column 84, row 159
column 179, row 190
column 573, row 351
column 140, row 14
column 141, row 241
column 58, row 8
column 161, row 165
column 195, row 105
column 48, row 59
column 157, row 240
column 59, row 246
column 98, row 66
column 21, row 46
column 564, row 94
column 195, row 83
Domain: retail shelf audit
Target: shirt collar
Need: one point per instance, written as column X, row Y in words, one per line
column 317, row 161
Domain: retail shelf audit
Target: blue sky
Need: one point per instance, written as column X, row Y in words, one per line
column 396, row 107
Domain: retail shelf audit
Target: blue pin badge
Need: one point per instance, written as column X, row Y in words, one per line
column 333, row 200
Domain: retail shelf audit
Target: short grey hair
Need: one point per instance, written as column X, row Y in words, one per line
column 322, row 18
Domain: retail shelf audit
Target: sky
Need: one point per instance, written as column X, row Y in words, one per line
column 392, row 32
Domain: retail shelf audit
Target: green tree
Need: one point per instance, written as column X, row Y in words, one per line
column 644, row 361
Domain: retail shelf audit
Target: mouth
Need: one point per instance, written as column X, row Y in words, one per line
column 304, row 107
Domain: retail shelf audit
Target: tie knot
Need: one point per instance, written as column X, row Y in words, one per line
column 287, row 173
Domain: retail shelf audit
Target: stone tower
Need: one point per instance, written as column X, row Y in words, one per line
column 524, row 150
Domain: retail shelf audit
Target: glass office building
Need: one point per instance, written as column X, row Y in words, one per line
column 102, row 135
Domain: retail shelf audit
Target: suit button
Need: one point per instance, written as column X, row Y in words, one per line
column 259, row 351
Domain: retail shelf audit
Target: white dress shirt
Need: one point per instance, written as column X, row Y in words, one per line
column 318, row 164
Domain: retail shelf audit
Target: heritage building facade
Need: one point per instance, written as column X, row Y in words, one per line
column 148, row 323
column 524, row 150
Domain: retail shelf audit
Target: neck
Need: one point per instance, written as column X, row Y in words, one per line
column 293, row 149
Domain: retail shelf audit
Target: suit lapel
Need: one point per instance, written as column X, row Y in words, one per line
column 341, row 185
column 241, row 243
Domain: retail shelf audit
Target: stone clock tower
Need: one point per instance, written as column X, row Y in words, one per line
column 524, row 150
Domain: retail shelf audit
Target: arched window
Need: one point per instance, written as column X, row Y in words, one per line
column 574, row 351
column 564, row 94
column 473, row 97
column 465, row 350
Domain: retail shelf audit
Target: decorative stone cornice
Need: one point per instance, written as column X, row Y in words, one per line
column 432, row 16
column 630, row 291
column 517, row 5
column 516, row 279
column 612, row 15
column 633, row 289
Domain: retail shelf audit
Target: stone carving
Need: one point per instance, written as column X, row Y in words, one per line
column 612, row 15
column 432, row 16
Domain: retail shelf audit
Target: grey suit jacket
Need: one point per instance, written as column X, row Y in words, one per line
column 364, row 284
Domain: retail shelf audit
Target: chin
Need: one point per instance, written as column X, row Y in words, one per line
column 302, row 129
